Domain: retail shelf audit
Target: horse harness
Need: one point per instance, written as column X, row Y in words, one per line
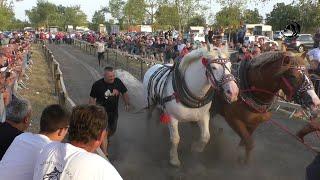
column 257, row 105
column 182, row 93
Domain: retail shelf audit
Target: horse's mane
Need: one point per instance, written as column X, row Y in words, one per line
column 272, row 56
column 196, row 55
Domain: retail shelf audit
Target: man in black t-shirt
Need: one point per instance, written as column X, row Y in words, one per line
column 105, row 92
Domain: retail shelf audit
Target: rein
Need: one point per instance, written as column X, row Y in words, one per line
column 285, row 129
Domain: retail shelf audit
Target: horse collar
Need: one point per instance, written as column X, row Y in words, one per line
column 247, row 96
column 186, row 97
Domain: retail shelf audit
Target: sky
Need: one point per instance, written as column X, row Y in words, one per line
column 90, row 6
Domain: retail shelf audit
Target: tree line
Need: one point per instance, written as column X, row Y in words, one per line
column 165, row 14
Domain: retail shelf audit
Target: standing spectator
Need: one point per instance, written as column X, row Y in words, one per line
column 105, row 92
column 241, row 34
column 316, row 39
column 313, row 57
column 206, row 33
column 210, row 35
column 234, row 38
column 314, row 54
column 18, row 113
column 20, row 158
column 76, row 160
column 169, row 51
column 100, row 49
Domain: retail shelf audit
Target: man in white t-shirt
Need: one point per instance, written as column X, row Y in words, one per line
column 76, row 160
column 100, row 50
column 19, row 160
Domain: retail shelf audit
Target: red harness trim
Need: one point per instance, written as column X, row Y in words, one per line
column 289, row 86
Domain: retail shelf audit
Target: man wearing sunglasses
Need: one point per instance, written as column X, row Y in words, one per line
column 19, row 160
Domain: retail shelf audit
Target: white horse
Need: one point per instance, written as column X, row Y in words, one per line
column 201, row 71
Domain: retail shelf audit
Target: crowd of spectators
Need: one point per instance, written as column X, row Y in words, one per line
column 255, row 48
column 25, row 155
column 14, row 61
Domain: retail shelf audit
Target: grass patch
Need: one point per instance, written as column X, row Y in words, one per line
column 40, row 87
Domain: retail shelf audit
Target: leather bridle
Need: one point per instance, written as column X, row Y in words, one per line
column 216, row 83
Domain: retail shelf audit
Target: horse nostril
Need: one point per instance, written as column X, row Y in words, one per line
column 229, row 91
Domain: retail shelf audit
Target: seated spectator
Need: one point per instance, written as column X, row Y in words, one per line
column 19, row 160
column 76, row 160
column 18, row 113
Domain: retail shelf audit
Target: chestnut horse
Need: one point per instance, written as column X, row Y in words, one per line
column 259, row 81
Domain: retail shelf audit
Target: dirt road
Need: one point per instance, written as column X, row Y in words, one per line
column 140, row 146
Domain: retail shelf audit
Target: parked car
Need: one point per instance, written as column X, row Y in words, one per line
column 300, row 43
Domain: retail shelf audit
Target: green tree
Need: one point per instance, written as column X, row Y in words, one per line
column 152, row 6
column 116, row 8
column 97, row 18
column 6, row 16
column 197, row 20
column 281, row 15
column 187, row 9
column 44, row 14
column 134, row 11
column 309, row 16
column 251, row 16
column 229, row 17
column 74, row 16
column 48, row 14
column 167, row 15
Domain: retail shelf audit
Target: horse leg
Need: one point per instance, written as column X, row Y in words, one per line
column 150, row 110
column 175, row 138
column 241, row 129
column 205, row 135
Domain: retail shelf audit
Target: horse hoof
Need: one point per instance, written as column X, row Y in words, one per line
column 243, row 161
column 175, row 162
column 198, row 147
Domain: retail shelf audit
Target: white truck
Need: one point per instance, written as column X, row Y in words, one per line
column 69, row 28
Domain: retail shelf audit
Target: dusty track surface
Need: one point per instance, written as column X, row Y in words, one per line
column 140, row 147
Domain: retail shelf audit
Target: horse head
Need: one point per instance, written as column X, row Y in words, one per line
column 218, row 65
column 288, row 73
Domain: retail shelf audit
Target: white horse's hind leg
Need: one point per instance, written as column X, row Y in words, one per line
column 175, row 138
column 205, row 135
